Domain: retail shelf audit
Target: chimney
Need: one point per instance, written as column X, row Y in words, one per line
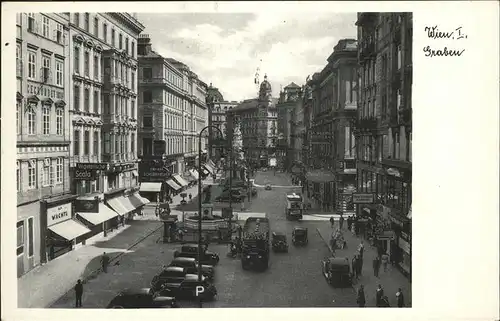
column 144, row 45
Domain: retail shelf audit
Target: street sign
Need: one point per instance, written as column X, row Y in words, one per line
column 362, row 198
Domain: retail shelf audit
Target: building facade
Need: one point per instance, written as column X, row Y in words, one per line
column 384, row 129
column 42, row 129
column 172, row 111
column 289, row 101
column 258, row 121
column 331, row 180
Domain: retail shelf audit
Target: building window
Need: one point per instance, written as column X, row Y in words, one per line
column 147, row 73
column 120, row 41
column 147, row 97
column 113, row 43
column 87, row 22
column 96, row 143
column 76, row 142
column 45, row 27
column 132, row 109
column 96, row 67
column 46, row 120
column 107, row 140
column 59, row 170
column 59, row 36
column 76, row 62
column 147, row 121
column 76, row 98
column 18, row 119
column 31, row 64
column 133, row 49
column 96, row 27
column 59, row 73
column 96, row 102
column 86, row 143
column 126, row 46
column 133, row 81
column 18, row 176
column 30, row 237
column 105, row 32
column 31, row 120
column 20, row 238
column 86, row 63
column 46, row 172
column 86, row 98
column 59, row 121
column 45, row 64
column 77, row 19
column 32, row 174
column 132, row 141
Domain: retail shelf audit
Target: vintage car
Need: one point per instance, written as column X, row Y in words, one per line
column 170, row 274
column 279, row 242
column 191, row 266
column 299, row 236
column 141, row 299
column 191, row 250
column 186, row 290
column 268, row 187
column 236, row 196
column 337, row 271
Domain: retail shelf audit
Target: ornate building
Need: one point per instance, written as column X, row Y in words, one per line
column 258, row 119
column 289, row 102
column 384, row 129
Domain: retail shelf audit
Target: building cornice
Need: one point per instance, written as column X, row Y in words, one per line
column 127, row 20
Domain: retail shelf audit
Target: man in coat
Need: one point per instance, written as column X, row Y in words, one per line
column 354, row 264
column 379, row 295
column 400, row 298
column 376, row 266
column 361, row 297
column 332, row 221
column 78, row 293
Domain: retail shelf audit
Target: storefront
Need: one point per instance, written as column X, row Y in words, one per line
column 97, row 217
column 404, row 242
column 117, row 200
column 151, row 191
column 137, row 201
column 321, row 188
column 28, row 238
column 64, row 232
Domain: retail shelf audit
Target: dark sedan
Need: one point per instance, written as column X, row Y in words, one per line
column 191, row 250
column 141, row 299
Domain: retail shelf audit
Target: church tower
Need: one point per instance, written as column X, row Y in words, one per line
column 265, row 93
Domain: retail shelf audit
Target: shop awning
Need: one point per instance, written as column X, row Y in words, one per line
column 118, row 206
column 150, row 187
column 211, row 163
column 172, row 184
column 127, row 203
column 69, row 229
column 181, row 180
column 320, row 176
column 105, row 214
column 143, row 199
column 209, row 168
column 194, row 172
column 137, row 200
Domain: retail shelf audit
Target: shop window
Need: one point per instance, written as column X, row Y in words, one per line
column 20, row 238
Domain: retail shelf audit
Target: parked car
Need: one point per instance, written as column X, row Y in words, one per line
column 140, row 299
column 279, row 242
column 171, row 274
column 191, row 266
column 337, row 271
column 268, row 187
column 236, row 196
column 191, row 250
column 186, row 290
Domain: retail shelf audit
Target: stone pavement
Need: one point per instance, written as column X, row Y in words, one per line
column 40, row 287
column 390, row 280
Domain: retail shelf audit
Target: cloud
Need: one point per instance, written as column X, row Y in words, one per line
column 227, row 50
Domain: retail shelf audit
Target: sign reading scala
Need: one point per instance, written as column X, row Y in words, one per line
column 58, row 214
column 88, row 171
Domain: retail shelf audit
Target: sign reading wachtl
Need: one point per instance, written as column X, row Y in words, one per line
column 76, row 128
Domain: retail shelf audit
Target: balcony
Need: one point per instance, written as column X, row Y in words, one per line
column 367, row 123
column 153, row 81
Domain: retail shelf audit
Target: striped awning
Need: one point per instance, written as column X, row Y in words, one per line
column 105, row 214
column 172, row 184
column 150, row 187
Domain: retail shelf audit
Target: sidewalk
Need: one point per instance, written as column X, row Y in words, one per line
column 43, row 285
column 390, row 280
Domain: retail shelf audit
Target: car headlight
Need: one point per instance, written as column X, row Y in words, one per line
column 248, row 256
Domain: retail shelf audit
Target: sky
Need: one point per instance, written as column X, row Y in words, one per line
column 226, row 49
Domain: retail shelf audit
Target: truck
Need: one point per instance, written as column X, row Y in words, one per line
column 255, row 243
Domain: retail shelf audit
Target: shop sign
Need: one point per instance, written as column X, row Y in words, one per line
column 58, row 214
column 87, row 206
column 92, row 166
column 363, row 198
column 85, row 175
column 153, row 174
column 405, row 246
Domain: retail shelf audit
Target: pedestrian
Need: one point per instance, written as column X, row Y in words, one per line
column 78, row 293
column 181, row 235
column 379, row 295
column 349, row 222
column 359, row 261
column 332, row 221
column 376, row 266
column 122, row 220
column 385, row 260
column 354, row 264
column 361, row 301
column 190, row 196
column 105, row 262
column 400, row 298
column 361, row 248
column 341, row 221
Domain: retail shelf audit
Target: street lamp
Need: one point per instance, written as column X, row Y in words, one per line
column 199, row 203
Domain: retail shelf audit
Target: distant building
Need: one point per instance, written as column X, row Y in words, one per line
column 384, row 129
column 258, row 124
column 290, row 101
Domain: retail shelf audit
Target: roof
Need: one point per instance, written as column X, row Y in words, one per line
column 292, row 85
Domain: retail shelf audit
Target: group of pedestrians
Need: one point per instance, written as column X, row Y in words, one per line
column 381, row 300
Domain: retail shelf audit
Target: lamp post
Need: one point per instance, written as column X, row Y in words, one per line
column 199, row 203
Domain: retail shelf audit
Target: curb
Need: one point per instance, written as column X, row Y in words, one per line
column 326, row 243
column 96, row 272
